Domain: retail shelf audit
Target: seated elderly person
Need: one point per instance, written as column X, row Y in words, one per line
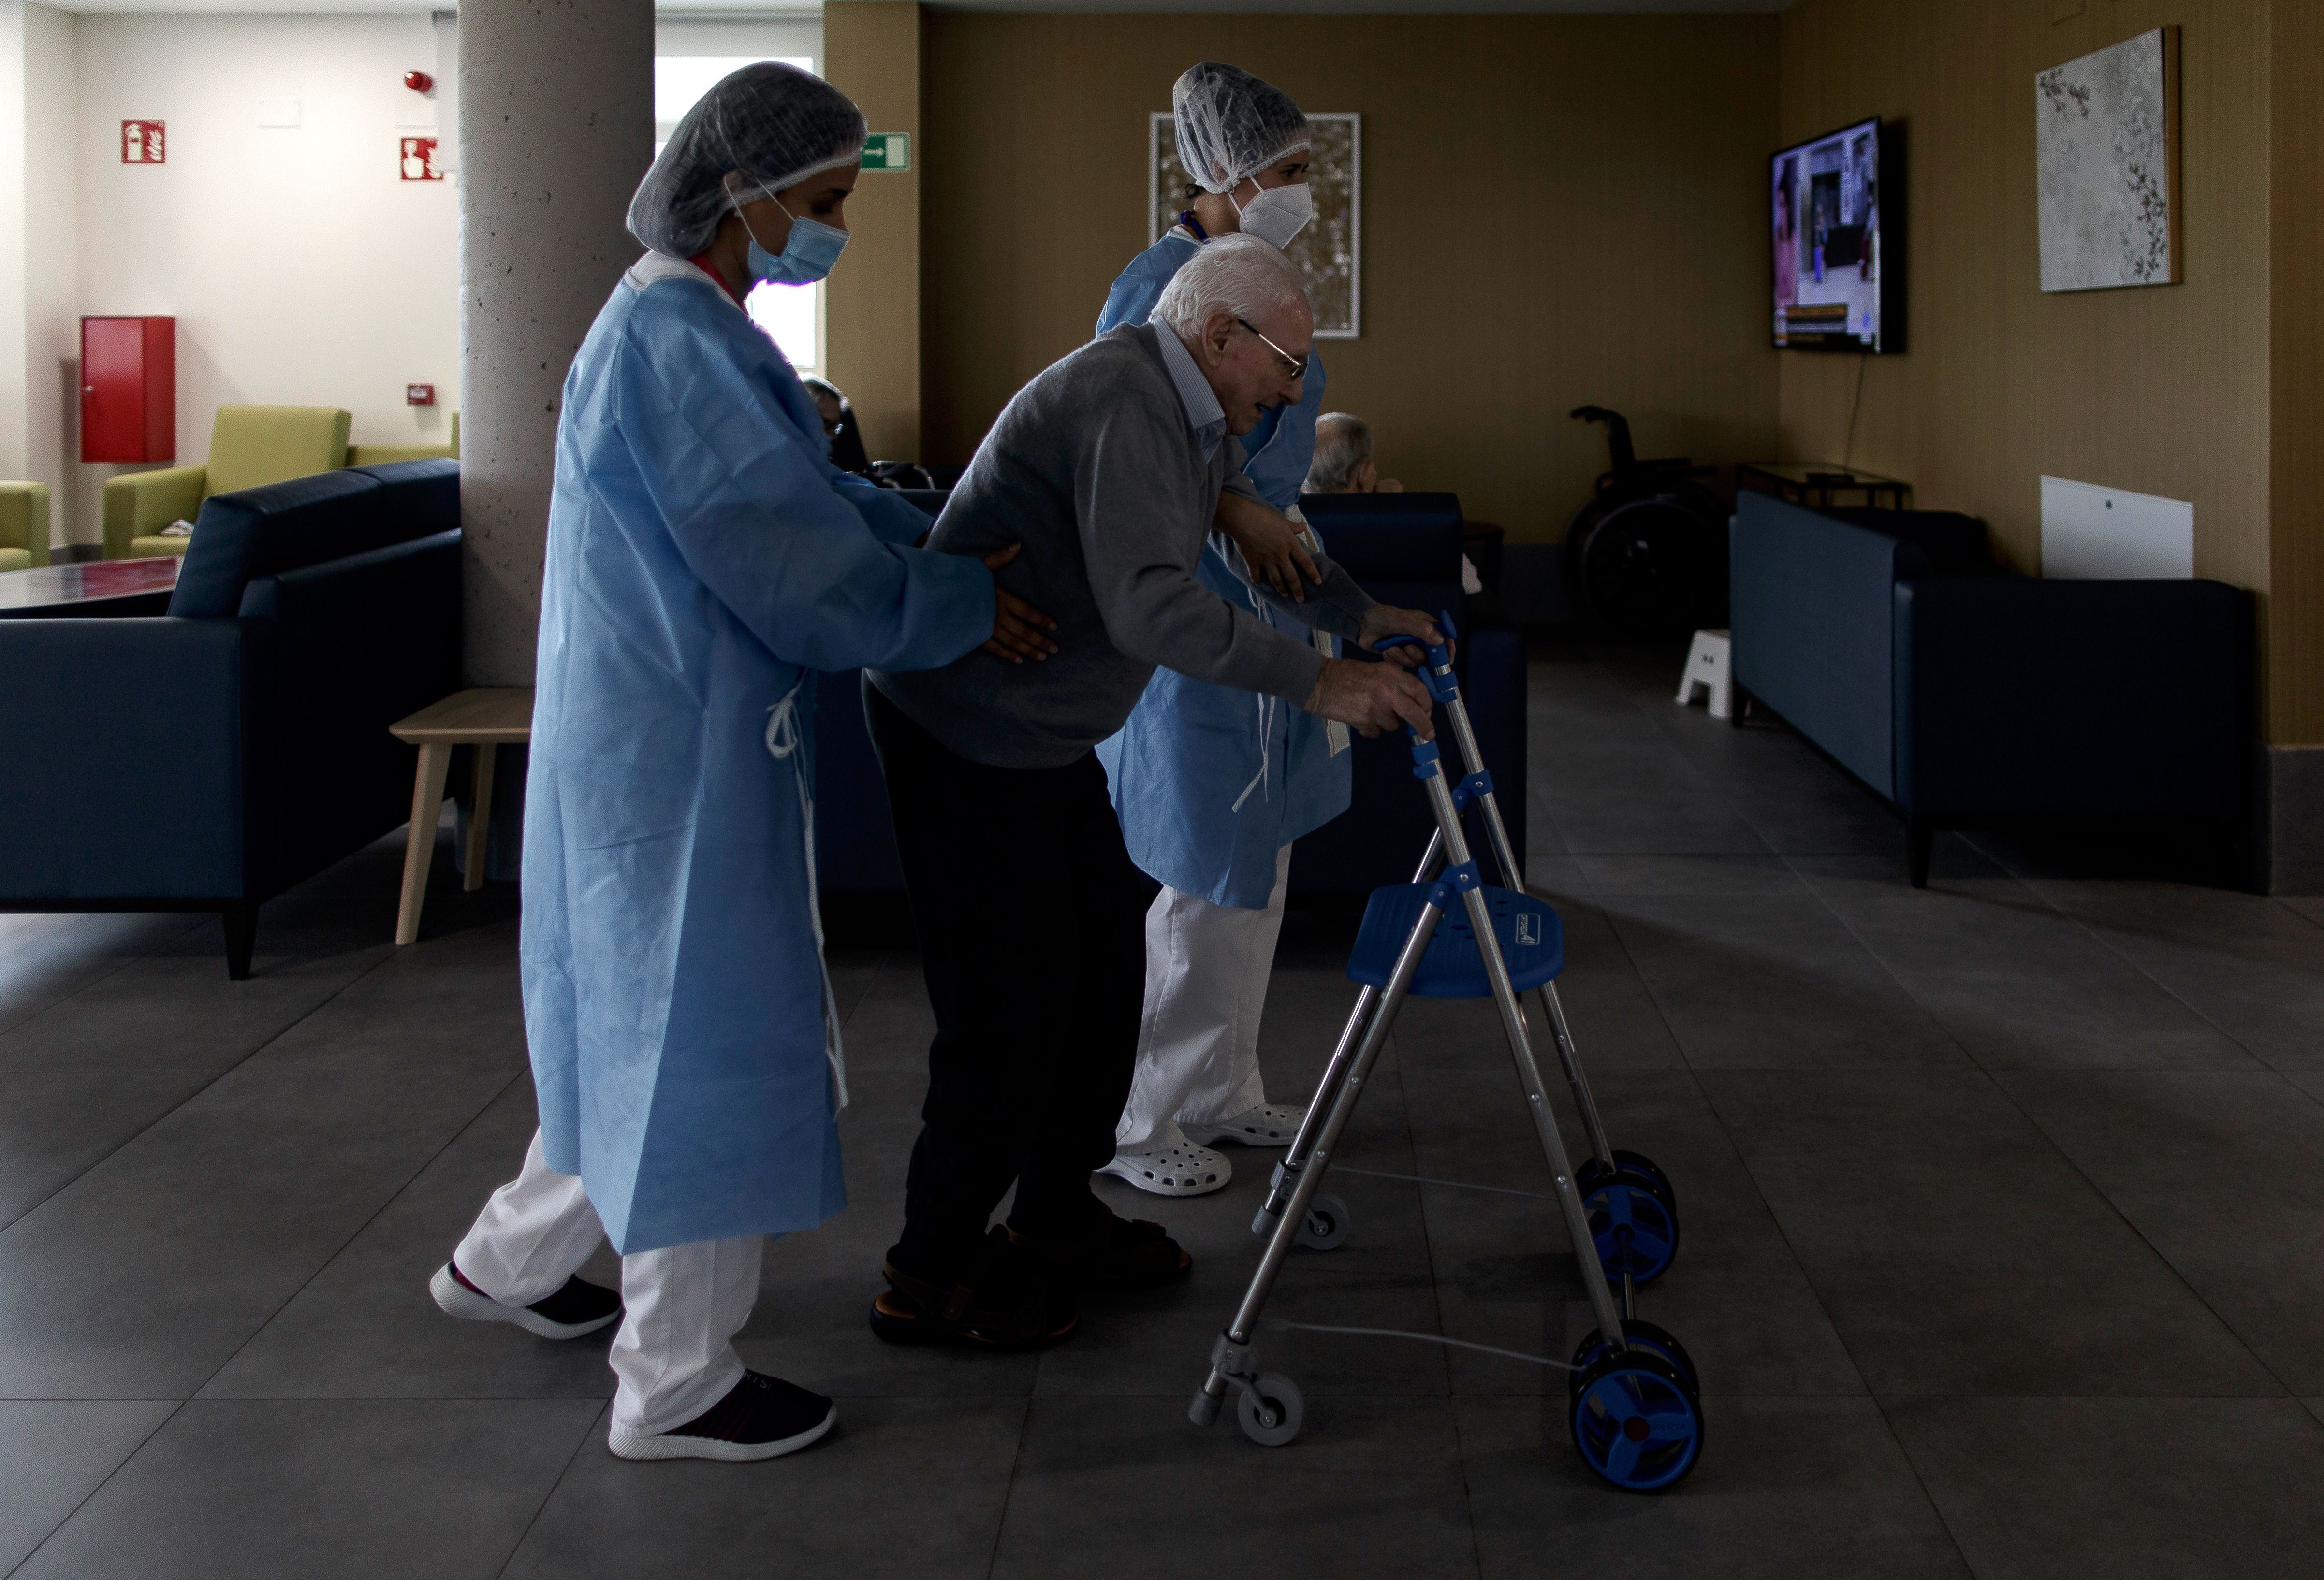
column 1343, row 465
column 839, row 426
column 1108, row 468
column 1343, row 461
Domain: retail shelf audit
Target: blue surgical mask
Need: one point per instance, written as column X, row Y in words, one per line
column 809, row 251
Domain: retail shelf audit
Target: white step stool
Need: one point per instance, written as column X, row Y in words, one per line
column 1706, row 666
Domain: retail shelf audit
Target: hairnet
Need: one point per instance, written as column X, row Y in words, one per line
column 774, row 123
column 1230, row 125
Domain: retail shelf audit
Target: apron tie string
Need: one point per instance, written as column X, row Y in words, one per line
column 783, row 742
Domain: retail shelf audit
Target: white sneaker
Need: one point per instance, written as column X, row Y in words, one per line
column 760, row 1418
column 1175, row 1170
column 1269, row 1124
column 579, row 1308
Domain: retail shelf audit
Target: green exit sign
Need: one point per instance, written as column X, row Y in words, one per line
column 887, row 151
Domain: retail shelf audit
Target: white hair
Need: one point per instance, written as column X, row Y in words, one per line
column 1343, row 443
column 1236, row 274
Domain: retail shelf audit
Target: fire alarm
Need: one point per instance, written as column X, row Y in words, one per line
column 418, row 81
column 420, row 394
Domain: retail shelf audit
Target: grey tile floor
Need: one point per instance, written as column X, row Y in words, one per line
column 2001, row 1253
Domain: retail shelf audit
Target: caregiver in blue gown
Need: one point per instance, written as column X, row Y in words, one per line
column 1212, row 784
column 705, row 560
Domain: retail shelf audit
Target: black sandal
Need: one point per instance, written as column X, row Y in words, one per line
column 1004, row 1302
column 1124, row 1256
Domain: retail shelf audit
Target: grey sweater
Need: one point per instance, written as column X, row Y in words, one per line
column 1094, row 468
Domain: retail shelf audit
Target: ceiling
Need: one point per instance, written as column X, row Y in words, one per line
column 798, row 7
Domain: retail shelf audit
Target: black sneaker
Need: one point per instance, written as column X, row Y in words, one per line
column 760, row 1418
column 1004, row 1301
column 577, row 1308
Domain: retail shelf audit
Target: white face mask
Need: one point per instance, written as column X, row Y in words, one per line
column 1278, row 213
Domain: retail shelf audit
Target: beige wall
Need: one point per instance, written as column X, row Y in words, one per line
column 2162, row 389
column 2296, row 373
column 1557, row 210
column 1560, row 210
column 871, row 307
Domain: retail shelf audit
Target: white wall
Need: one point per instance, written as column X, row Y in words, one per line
column 698, row 34
column 15, row 243
column 301, row 271
column 52, row 261
column 36, row 245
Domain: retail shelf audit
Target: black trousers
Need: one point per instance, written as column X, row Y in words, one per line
column 1031, row 919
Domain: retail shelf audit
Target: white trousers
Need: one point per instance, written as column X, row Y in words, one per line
column 674, row 1355
column 1206, row 971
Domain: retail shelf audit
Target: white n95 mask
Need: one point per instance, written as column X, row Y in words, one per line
column 1278, row 213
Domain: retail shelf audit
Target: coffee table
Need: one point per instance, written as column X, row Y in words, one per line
column 103, row 589
column 486, row 718
column 1813, row 485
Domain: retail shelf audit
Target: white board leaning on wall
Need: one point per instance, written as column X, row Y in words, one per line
column 2092, row 534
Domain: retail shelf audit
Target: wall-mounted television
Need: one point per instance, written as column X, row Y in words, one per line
column 1824, row 217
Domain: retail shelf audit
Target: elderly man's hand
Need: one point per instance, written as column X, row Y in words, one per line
column 1372, row 697
column 1270, row 545
column 1019, row 630
column 1386, row 619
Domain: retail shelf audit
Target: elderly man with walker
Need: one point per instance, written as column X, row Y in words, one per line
column 1108, row 467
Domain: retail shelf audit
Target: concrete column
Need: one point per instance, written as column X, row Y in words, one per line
column 872, row 307
column 557, row 130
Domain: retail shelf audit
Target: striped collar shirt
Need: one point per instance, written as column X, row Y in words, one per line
column 1205, row 415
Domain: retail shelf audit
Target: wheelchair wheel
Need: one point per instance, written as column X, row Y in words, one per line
column 1650, row 567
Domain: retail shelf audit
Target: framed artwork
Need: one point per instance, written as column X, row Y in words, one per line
column 2106, row 153
column 1329, row 251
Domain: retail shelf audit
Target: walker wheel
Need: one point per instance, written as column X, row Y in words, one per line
column 1636, row 1423
column 1271, row 1410
column 1630, row 1162
column 1635, row 1167
column 1635, row 1335
column 1634, row 1222
column 1325, row 1228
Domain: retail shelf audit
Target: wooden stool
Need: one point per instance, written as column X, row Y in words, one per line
column 486, row 719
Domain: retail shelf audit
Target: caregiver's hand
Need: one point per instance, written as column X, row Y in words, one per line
column 1019, row 630
column 1269, row 541
column 1385, row 619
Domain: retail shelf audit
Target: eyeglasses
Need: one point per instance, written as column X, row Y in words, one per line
column 1298, row 365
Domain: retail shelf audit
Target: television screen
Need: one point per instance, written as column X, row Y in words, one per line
column 1824, row 211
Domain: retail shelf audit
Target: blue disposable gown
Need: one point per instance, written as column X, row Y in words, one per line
column 1209, row 782
column 703, row 557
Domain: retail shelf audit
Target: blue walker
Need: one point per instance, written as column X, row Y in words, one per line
column 1635, row 1407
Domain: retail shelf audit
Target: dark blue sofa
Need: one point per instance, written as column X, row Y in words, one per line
column 1965, row 693
column 208, row 758
column 1406, row 553
column 1405, row 550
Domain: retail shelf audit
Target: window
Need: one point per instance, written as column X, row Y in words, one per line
column 791, row 315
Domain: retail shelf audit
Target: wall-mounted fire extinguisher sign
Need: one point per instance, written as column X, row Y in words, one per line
column 144, row 143
column 419, row 160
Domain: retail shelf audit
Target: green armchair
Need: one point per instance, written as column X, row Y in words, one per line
column 382, row 454
column 250, row 445
column 23, row 525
